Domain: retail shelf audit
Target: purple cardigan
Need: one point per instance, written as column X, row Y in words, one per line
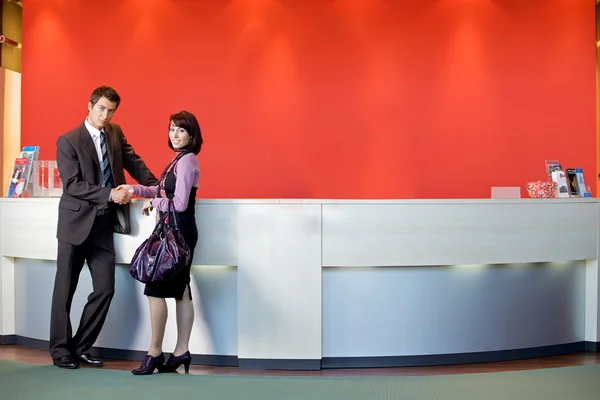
column 187, row 174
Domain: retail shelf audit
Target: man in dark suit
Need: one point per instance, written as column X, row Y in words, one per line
column 91, row 159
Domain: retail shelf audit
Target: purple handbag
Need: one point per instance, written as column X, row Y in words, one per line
column 163, row 254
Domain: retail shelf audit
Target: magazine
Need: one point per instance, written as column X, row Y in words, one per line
column 18, row 180
column 31, row 153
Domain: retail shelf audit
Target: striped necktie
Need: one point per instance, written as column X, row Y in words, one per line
column 107, row 180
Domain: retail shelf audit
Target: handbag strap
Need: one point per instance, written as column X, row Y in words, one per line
column 172, row 221
column 165, row 173
column 166, row 218
column 161, row 189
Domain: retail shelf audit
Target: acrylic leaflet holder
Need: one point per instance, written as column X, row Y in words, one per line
column 45, row 181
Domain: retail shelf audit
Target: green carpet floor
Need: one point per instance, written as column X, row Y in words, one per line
column 31, row 381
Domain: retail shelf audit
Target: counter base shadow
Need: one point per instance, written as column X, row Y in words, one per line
column 336, row 362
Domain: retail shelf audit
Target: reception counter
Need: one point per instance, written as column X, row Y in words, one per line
column 309, row 284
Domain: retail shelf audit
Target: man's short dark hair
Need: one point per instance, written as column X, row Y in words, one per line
column 188, row 121
column 105, row 91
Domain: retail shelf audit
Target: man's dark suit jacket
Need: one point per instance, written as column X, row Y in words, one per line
column 79, row 171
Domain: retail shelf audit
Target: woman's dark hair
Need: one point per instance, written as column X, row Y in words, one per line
column 187, row 121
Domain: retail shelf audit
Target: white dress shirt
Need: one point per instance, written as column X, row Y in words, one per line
column 95, row 134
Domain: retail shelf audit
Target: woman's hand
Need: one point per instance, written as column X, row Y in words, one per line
column 129, row 188
column 147, row 207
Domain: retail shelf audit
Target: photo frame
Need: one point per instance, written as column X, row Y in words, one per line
column 551, row 166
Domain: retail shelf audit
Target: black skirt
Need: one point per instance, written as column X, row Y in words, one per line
column 175, row 287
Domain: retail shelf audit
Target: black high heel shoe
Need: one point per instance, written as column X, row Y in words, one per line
column 175, row 362
column 149, row 365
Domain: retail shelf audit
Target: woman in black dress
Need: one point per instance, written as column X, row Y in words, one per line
column 179, row 182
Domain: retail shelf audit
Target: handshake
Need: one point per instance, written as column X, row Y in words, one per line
column 122, row 194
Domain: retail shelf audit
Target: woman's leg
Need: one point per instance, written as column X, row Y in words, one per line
column 158, row 320
column 185, row 321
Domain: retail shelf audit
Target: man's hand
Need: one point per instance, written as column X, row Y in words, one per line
column 120, row 196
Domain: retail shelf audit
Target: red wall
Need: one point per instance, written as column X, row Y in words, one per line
column 328, row 98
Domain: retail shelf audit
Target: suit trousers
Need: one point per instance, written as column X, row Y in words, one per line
column 98, row 250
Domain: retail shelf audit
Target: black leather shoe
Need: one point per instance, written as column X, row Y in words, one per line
column 89, row 361
column 66, row 362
